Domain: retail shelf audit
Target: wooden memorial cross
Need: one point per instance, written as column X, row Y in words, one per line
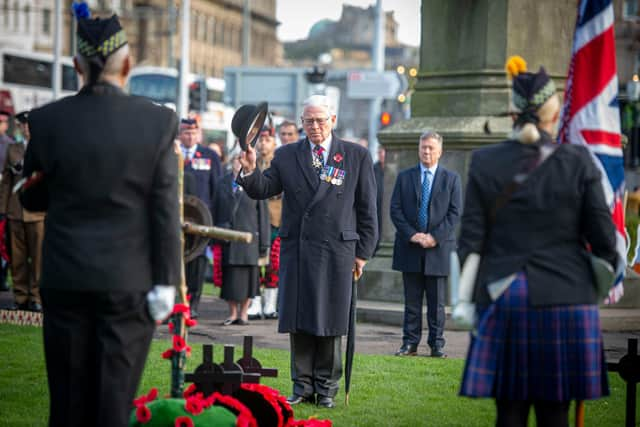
column 250, row 364
column 230, row 366
column 629, row 369
column 210, row 377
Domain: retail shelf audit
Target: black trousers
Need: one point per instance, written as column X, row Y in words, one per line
column 316, row 364
column 96, row 344
column 194, row 272
column 515, row 413
column 416, row 285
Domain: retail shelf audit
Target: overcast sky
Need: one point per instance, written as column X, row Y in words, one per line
column 297, row 16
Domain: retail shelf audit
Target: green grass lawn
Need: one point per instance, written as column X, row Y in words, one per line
column 386, row 390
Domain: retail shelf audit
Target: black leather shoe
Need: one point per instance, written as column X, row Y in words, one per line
column 326, row 402
column 407, row 350
column 256, row 317
column 295, row 399
column 34, row 306
column 438, row 353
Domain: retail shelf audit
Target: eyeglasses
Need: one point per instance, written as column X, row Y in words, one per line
column 319, row 120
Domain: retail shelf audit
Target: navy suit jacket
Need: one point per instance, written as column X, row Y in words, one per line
column 205, row 168
column 444, row 214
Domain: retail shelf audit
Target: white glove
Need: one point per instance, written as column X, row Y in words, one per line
column 161, row 299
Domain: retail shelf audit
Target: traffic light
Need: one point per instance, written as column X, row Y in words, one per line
column 385, row 119
column 196, row 101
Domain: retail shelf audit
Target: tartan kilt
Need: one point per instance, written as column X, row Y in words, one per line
column 520, row 352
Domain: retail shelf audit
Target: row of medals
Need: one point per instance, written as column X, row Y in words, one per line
column 332, row 175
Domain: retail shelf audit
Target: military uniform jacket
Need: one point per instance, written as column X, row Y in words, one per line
column 324, row 227
column 206, row 169
column 239, row 212
column 111, row 171
column 12, row 173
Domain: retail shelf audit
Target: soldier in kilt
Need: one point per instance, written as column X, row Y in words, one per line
column 537, row 340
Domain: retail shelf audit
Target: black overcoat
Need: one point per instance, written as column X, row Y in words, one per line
column 239, row 212
column 324, row 227
column 111, row 171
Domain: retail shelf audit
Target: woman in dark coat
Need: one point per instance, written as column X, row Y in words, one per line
column 537, row 340
column 240, row 278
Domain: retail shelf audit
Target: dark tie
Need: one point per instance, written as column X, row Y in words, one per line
column 318, row 160
column 423, row 212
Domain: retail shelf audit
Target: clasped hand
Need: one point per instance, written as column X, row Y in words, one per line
column 425, row 240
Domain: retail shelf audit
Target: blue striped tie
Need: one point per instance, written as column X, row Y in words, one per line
column 423, row 213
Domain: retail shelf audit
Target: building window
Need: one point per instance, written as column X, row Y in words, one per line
column 212, row 30
column 630, row 8
column 5, row 12
column 16, row 16
column 46, row 21
column 202, row 28
column 221, row 35
column 27, row 18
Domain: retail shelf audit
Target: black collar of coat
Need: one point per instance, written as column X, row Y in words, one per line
column 101, row 88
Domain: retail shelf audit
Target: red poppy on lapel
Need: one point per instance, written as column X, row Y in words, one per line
column 337, row 157
column 198, row 154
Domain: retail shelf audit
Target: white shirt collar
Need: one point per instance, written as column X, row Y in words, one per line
column 432, row 169
column 189, row 152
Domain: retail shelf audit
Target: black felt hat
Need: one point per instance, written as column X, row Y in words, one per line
column 531, row 90
column 23, row 117
column 247, row 122
column 99, row 38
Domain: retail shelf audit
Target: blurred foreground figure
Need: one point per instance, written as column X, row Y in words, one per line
column 110, row 174
column 26, row 229
column 531, row 209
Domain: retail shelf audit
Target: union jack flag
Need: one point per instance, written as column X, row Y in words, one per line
column 590, row 114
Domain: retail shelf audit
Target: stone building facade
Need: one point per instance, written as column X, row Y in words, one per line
column 153, row 30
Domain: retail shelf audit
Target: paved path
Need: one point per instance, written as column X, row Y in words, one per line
column 371, row 338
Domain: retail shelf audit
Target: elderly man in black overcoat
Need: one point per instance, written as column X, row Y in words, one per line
column 111, row 249
column 329, row 229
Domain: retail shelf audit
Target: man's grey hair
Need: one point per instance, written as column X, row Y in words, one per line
column 319, row 101
column 112, row 67
column 431, row 135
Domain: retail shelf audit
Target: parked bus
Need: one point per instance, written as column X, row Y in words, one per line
column 25, row 78
column 160, row 85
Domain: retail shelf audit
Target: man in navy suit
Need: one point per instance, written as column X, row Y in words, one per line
column 203, row 164
column 329, row 229
column 425, row 209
